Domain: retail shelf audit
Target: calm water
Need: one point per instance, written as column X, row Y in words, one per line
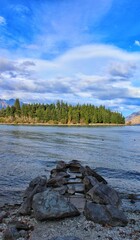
column 29, row 151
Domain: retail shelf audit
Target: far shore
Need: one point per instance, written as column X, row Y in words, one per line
column 61, row 124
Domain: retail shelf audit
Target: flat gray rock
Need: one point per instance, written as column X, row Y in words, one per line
column 50, row 205
column 78, row 202
column 57, row 181
column 79, row 187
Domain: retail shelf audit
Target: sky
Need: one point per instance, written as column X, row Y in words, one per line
column 78, row 51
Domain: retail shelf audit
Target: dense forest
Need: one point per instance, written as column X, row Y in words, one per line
column 59, row 113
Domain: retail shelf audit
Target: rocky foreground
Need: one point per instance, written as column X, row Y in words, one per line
column 75, row 203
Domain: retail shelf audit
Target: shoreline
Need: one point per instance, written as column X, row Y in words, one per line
column 61, row 124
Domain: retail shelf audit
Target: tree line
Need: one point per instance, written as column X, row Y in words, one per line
column 60, row 113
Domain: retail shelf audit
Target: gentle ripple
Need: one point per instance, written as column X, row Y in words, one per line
column 29, row 151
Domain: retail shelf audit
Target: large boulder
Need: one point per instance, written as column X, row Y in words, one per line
column 104, row 214
column 39, row 181
column 35, row 186
column 103, row 194
column 50, row 205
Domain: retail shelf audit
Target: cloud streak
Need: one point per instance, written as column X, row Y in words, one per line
column 2, row 21
column 48, row 28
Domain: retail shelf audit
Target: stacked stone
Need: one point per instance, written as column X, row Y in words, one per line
column 73, row 189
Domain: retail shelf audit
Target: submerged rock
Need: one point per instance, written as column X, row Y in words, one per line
column 51, row 205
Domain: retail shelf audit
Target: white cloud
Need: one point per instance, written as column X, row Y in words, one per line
column 98, row 74
column 101, row 51
column 122, row 69
column 137, row 43
column 2, row 21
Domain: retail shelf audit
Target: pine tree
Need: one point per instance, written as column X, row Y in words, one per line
column 17, row 107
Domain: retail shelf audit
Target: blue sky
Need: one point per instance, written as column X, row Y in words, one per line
column 79, row 51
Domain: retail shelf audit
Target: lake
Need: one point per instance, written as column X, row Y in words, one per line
column 29, row 151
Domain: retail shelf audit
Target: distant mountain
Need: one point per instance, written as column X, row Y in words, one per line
column 133, row 119
column 4, row 103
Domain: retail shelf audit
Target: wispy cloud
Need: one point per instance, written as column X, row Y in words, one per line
column 19, row 8
column 46, row 29
column 2, row 21
column 137, row 43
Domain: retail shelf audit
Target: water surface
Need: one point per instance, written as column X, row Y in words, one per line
column 29, row 151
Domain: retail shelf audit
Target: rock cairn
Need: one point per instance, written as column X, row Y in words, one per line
column 73, row 189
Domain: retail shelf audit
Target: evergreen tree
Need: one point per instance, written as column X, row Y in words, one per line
column 62, row 113
column 8, row 111
column 17, row 107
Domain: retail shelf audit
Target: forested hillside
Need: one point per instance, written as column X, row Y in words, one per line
column 59, row 113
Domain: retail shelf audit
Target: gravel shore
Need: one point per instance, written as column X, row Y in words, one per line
column 77, row 226
column 87, row 230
